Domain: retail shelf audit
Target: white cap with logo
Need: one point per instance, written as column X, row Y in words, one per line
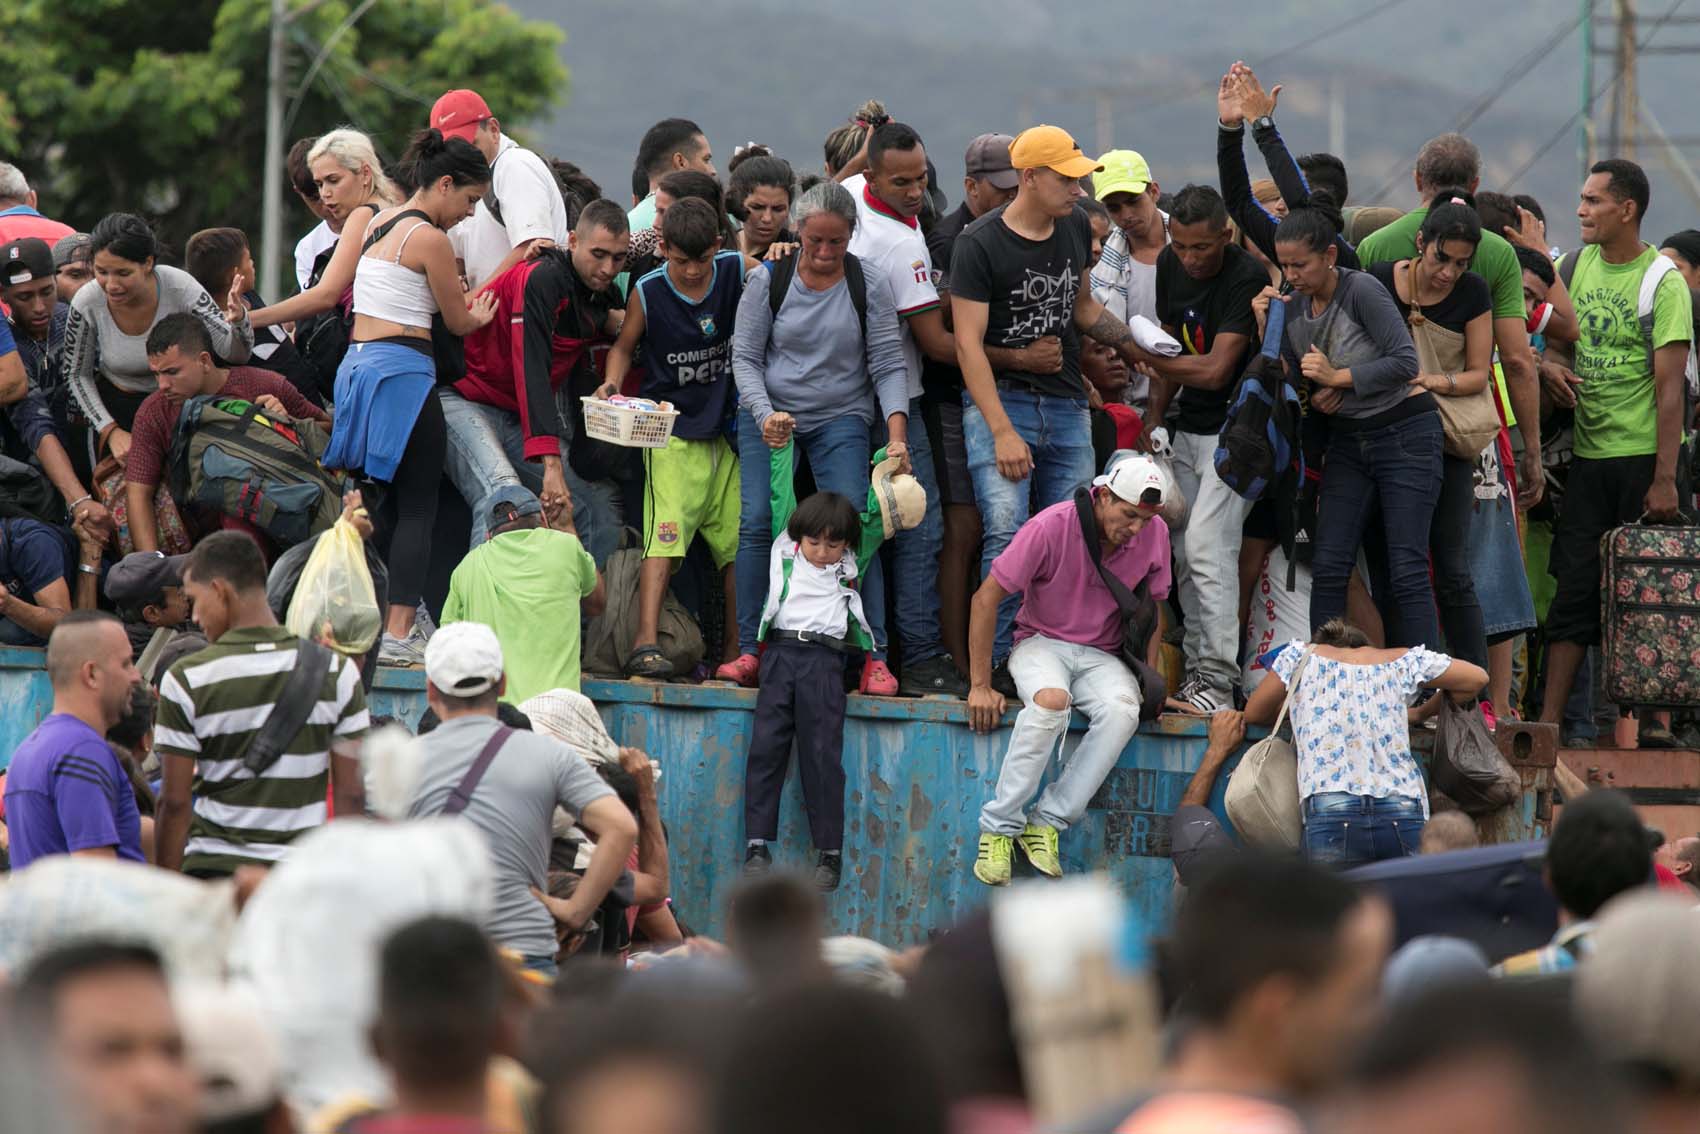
column 463, row 659
column 1132, row 477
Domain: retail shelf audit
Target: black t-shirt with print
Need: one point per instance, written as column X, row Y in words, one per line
column 1469, row 297
column 1029, row 287
column 1195, row 312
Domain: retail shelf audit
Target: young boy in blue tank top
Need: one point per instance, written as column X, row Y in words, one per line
column 682, row 314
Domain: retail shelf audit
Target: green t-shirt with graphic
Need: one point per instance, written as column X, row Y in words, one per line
column 1495, row 260
column 1617, row 413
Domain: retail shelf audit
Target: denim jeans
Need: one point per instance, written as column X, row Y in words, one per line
column 838, row 455
column 1343, row 830
column 1059, row 433
column 1397, row 470
column 1207, row 563
column 487, row 452
column 1101, row 687
column 917, row 556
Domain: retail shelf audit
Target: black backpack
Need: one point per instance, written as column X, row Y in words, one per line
column 779, row 273
column 321, row 340
column 1259, row 442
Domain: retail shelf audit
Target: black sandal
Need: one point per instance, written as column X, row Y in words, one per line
column 648, row 661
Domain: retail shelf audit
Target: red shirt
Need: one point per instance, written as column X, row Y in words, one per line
column 18, row 226
column 156, row 419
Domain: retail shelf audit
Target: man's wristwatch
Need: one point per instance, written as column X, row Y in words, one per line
column 1263, row 123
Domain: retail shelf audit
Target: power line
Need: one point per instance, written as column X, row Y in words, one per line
column 1530, row 60
column 1592, row 98
column 1162, row 96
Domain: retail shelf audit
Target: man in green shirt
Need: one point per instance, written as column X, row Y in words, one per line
column 1628, row 392
column 532, row 585
column 1448, row 164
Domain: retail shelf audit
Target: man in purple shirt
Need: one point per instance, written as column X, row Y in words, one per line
column 1067, row 637
column 65, row 790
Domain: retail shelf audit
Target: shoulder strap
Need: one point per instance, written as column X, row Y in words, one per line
column 292, row 708
column 383, row 230
column 779, row 273
column 858, row 281
column 1129, row 602
column 462, row 794
column 1292, row 688
column 1567, row 266
column 1273, row 327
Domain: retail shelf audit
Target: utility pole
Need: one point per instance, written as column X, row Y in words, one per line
column 1626, row 101
column 1585, row 126
column 271, row 193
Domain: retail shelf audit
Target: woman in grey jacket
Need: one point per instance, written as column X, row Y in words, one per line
column 815, row 373
column 1345, row 337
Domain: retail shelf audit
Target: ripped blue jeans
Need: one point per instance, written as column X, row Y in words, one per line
column 1059, row 433
column 1100, row 686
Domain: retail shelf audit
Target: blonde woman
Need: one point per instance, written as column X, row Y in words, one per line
column 353, row 188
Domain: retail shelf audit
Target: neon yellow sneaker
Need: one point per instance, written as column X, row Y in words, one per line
column 992, row 865
column 1039, row 844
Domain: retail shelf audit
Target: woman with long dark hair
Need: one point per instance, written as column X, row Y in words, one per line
column 388, row 426
column 1344, row 338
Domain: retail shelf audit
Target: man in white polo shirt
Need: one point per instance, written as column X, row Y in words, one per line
column 523, row 205
column 888, row 241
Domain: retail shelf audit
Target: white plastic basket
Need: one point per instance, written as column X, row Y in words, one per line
column 626, row 425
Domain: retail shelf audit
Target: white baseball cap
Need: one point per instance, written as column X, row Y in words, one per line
column 463, row 659
column 1132, row 477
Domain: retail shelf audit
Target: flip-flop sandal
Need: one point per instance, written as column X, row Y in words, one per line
column 648, row 661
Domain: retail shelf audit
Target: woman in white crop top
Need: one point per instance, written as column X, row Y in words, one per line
column 389, row 426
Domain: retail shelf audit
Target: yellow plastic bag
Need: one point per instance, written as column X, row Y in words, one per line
column 334, row 602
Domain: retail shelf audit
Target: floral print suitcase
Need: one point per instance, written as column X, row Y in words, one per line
column 1651, row 615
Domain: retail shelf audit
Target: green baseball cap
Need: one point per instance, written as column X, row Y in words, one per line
column 1123, row 171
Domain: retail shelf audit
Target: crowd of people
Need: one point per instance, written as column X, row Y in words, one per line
column 1240, row 451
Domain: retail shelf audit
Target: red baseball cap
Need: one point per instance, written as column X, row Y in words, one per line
column 458, row 113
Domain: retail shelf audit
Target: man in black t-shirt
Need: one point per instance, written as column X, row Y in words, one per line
column 1205, row 285
column 1018, row 274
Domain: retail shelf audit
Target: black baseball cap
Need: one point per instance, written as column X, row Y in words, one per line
column 25, row 260
column 511, row 503
column 141, row 577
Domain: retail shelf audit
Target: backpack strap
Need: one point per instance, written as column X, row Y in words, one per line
column 383, row 230
column 292, row 708
column 780, row 273
column 462, row 794
column 1567, row 266
column 858, row 281
column 1273, row 327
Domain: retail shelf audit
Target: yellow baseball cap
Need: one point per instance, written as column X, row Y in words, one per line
column 1050, row 147
column 1124, row 172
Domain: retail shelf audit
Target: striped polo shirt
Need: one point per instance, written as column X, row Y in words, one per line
column 210, row 706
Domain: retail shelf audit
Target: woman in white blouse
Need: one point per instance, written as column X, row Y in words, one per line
column 1360, row 788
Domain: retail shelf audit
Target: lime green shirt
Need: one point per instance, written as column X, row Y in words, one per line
column 527, row 586
column 1495, row 260
column 1617, row 410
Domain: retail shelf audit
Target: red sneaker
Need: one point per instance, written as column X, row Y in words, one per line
column 744, row 669
column 1488, row 716
column 878, row 680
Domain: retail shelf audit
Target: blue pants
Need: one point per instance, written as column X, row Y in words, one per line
column 1396, row 469
column 1059, row 433
column 838, row 454
column 802, row 700
column 1344, row 830
column 917, row 556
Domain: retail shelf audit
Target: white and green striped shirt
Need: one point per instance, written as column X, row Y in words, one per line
column 210, row 706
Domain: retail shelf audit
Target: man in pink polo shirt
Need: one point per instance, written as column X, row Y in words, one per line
column 1068, row 633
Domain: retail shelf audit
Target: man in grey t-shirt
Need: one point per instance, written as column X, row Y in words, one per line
column 513, row 802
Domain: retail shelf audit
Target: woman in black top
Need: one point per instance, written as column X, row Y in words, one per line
column 1457, row 308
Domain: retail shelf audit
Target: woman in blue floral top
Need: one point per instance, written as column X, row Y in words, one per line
column 1361, row 790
